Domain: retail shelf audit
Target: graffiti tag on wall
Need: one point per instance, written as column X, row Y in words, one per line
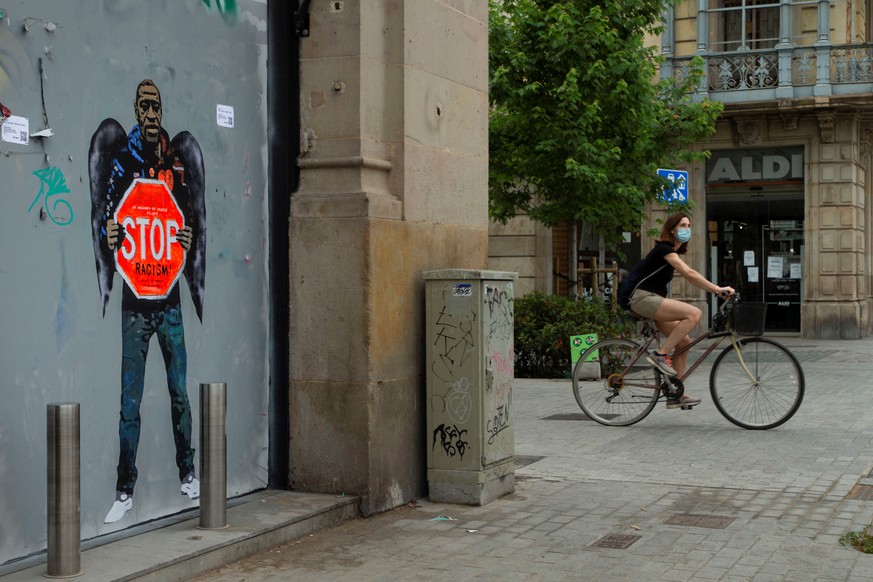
column 454, row 343
column 227, row 9
column 52, row 185
column 451, row 438
column 458, row 402
column 501, row 369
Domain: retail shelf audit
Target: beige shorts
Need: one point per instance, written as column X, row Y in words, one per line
column 645, row 303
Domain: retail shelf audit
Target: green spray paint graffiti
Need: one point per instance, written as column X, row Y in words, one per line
column 227, row 9
column 53, row 183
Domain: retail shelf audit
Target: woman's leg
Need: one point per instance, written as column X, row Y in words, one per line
column 676, row 319
column 679, row 360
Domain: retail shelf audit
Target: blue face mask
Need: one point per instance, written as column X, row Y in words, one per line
column 683, row 234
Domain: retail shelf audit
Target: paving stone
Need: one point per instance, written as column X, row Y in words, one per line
column 786, row 491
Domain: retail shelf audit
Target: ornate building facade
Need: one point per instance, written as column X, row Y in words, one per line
column 781, row 207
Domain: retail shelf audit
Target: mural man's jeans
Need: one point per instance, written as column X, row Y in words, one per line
column 137, row 330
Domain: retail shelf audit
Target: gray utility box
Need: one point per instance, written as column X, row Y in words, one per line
column 470, row 374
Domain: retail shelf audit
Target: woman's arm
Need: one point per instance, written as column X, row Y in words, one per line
column 694, row 277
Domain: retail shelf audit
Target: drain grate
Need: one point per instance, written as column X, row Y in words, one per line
column 616, row 541
column 567, row 416
column 574, row 416
column 862, row 492
column 522, row 460
column 696, row 520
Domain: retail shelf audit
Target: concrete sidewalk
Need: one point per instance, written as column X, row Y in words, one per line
column 683, row 495
column 175, row 549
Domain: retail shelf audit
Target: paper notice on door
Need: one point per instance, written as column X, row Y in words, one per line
column 752, row 273
column 749, row 258
column 774, row 267
column 794, row 271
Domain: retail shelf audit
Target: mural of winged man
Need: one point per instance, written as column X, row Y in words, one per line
column 117, row 162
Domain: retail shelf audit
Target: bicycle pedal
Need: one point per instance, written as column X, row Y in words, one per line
column 688, row 406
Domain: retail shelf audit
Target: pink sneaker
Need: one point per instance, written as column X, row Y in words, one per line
column 663, row 362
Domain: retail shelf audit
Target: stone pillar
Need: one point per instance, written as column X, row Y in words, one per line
column 668, row 43
column 823, row 51
column 785, row 49
column 702, row 28
column 703, row 45
column 394, row 173
column 867, row 162
column 835, row 305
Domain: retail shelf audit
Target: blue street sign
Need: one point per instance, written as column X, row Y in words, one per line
column 679, row 192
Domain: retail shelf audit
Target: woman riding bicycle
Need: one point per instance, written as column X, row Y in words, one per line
column 648, row 283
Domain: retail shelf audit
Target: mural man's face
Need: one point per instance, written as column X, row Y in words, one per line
column 148, row 113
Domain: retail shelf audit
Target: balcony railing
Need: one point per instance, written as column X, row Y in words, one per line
column 852, row 64
column 803, row 65
column 743, row 71
column 784, row 73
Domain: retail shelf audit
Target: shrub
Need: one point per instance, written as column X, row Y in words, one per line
column 544, row 324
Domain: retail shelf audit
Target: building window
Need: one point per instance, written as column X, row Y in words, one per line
column 743, row 24
column 804, row 23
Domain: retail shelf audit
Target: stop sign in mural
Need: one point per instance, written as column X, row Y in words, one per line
column 150, row 258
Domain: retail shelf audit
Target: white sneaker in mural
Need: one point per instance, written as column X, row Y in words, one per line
column 123, row 504
column 191, row 486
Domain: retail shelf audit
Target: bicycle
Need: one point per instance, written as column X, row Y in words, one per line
column 755, row 383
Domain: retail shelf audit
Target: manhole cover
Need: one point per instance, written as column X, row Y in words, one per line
column 862, row 492
column 616, row 541
column 522, row 460
column 690, row 519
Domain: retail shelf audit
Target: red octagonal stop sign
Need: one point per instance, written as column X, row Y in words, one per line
column 150, row 258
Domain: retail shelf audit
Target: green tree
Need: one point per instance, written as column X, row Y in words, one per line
column 579, row 121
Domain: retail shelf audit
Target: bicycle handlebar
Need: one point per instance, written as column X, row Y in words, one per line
column 732, row 300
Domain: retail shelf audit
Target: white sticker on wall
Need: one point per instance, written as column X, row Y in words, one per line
column 16, row 130
column 462, row 290
column 224, row 115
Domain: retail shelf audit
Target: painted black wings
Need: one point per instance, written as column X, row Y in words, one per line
column 105, row 143
column 188, row 154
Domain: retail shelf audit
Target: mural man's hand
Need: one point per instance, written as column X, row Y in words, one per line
column 112, row 234
column 185, row 236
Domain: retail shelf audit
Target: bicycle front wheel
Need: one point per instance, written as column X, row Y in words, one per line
column 613, row 383
column 764, row 393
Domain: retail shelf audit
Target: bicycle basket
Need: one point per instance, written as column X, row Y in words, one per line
column 748, row 318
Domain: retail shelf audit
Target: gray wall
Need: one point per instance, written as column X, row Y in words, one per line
column 68, row 66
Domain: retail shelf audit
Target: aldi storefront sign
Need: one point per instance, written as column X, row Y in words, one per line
column 755, row 165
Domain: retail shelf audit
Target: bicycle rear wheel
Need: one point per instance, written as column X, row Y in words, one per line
column 767, row 398
column 617, row 388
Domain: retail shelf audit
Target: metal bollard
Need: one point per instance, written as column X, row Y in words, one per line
column 64, row 519
column 213, row 456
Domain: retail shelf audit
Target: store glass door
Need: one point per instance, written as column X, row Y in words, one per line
column 756, row 240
